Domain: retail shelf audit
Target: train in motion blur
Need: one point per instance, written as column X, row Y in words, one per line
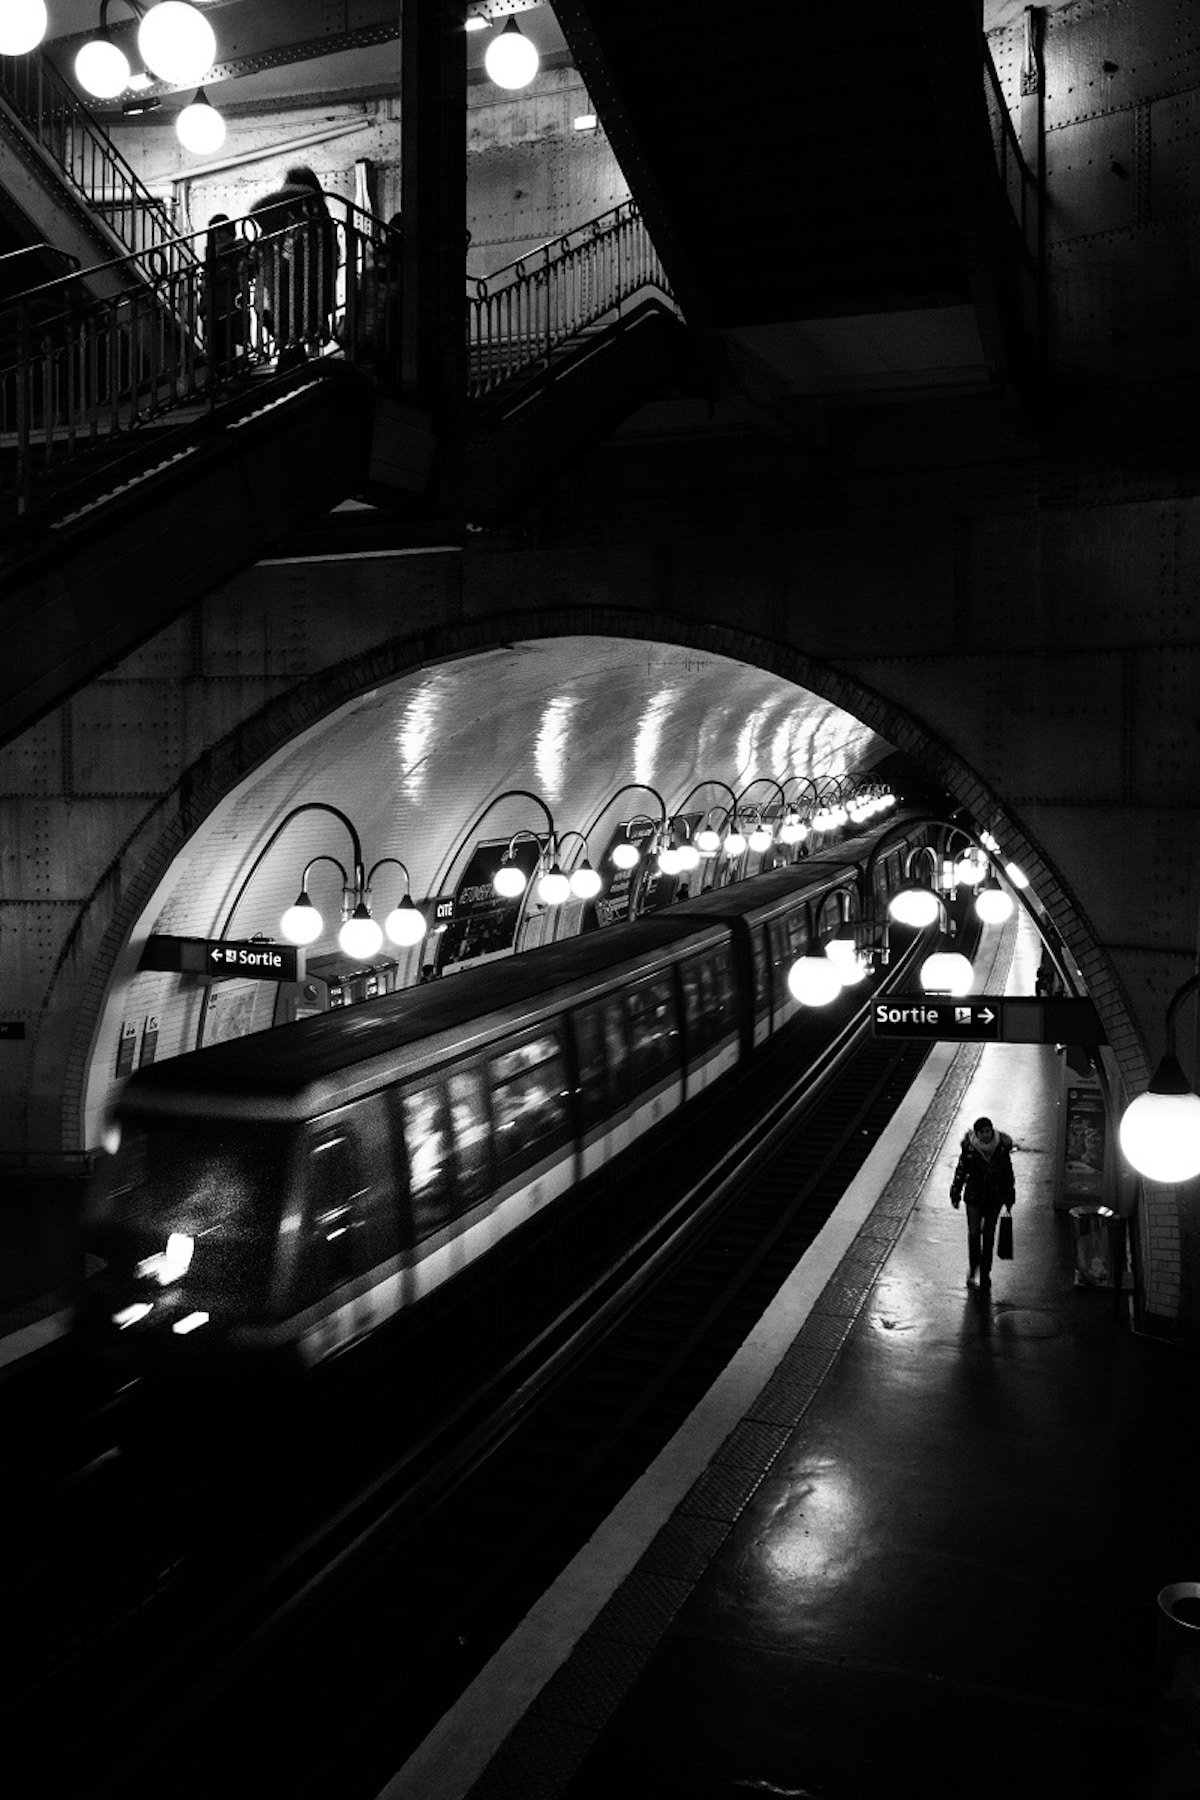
column 287, row 1194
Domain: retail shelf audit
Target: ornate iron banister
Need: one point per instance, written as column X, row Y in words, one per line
column 88, row 161
column 521, row 314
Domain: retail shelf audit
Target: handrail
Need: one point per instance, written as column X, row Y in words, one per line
column 87, row 159
column 1020, row 184
column 522, row 314
column 190, row 336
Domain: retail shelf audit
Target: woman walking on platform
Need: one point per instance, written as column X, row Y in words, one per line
column 984, row 1179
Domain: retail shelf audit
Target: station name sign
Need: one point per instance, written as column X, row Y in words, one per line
column 982, row 1019
column 219, row 957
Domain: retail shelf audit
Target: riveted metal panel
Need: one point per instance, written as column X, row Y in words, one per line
column 126, row 733
column 1108, row 56
column 34, row 762
column 1175, row 153
column 1090, row 174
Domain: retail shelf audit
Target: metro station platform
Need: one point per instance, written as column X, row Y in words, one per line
column 910, row 1543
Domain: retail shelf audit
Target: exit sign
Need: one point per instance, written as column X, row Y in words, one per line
column 980, row 1018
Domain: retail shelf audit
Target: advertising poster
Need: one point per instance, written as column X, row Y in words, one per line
column 484, row 923
column 612, row 903
column 1084, row 1141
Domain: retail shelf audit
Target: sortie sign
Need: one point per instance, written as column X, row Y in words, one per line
column 219, row 957
column 913, row 1016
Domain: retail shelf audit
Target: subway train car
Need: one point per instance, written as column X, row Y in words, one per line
column 284, row 1195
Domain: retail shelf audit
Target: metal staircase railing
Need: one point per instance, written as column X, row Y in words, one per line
column 1018, row 180
column 521, row 316
column 87, row 160
column 79, row 374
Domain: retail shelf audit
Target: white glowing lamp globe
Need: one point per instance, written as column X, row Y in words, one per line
column 177, row 43
column 946, row 972
column 1160, row 1135
column 668, row 862
column 688, row 856
column 360, row 936
column 585, row 882
column 510, row 59
column 843, row 954
column 993, row 905
column 509, row 881
column 735, row 843
column 200, row 127
column 302, row 923
column 625, row 855
column 793, row 830
column 708, row 841
column 814, row 981
column 102, row 69
column 405, row 924
column 22, row 26
column 760, row 838
column 554, row 887
column 967, row 872
column 915, row 906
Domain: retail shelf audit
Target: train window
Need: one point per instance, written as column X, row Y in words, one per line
column 427, row 1141
column 761, row 954
column 705, row 982
column 336, row 1195
column 472, row 1135
column 797, row 932
column 594, row 1103
column 616, row 1050
column 653, row 1031
column 781, row 954
column 529, row 1103
column 722, row 973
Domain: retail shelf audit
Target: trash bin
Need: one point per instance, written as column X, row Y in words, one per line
column 1091, row 1232
column 1178, row 1653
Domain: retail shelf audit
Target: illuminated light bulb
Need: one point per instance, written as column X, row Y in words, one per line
column 23, row 25
column 968, row 872
column 668, row 862
column 200, row 127
column 177, row 43
column 946, row 972
column 993, row 905
column 302, row 923
column 360, row 936
column 626, row 855
column 814, row 981
column 111, row 1139
column 405, row 924
column 102, row 69
column 1017, row 876
column 841, row 950
column 760, row 838
column 708, row 841
column 510, row 59
column 688, row 856
column 586, row 882
column 509, row 881
column 915, row 906
column 793, row 830
column 1160, row 1132
column 475, row 22
column 554, row 887
column 735, row 843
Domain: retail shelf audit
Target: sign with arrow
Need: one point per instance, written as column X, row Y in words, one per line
column 222, row 957
column 982, row 1017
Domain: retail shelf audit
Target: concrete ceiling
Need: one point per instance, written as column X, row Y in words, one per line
column 415, row 764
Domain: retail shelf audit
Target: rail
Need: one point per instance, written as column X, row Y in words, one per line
column 523, row 314
column 88, row 161
column 1020, row 184
column 77, row 373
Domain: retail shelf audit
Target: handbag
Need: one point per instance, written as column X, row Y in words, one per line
column 1004, row 1241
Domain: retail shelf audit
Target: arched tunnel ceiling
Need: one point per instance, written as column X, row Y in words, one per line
column 415, row 764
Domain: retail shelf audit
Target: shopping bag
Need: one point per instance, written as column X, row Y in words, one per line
column 1004, row 1238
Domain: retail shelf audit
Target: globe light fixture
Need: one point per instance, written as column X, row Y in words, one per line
column 554, row 887
column 1159, row 1133
column 360, row 936
column 687, row 856
column 586, row 882
column 301, row 923
column 968, row 871
column 510, row 59
column 102, row 68
column 200, row 127
column 814, row 981
column 993, row 905
column 735, row 843
column 23, row 25
column 793, row 830
column 668, row 861
column 760, row 838
column 626, row 854
column 946, row 972
column 177, row 43
column 509, row 880
column 708, row 841
column 915, row 906
column 405, row 924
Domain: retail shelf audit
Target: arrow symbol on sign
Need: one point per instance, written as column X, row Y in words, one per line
column 217, row 955
column 986, row 1016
